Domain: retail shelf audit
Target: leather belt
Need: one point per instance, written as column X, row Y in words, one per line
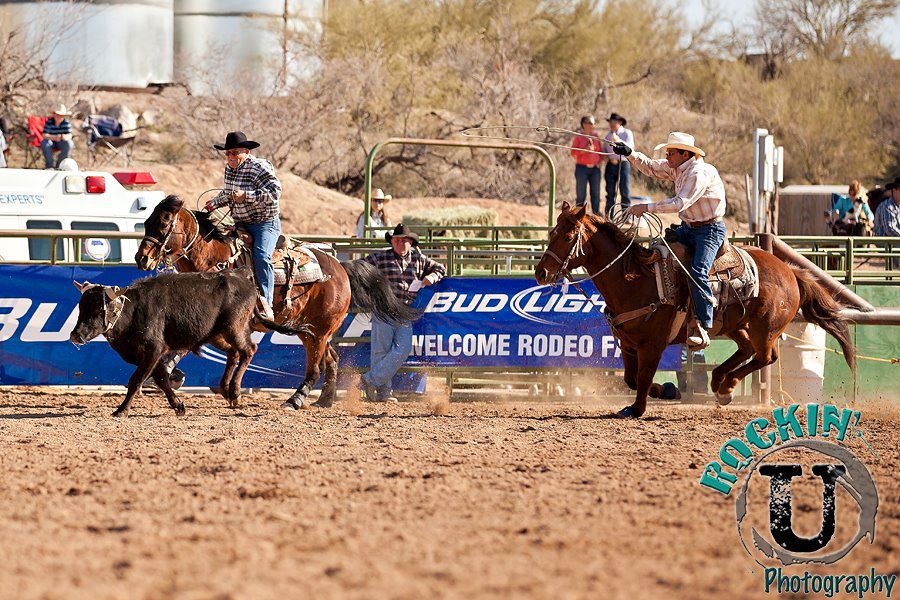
column 614, row 161
column 697, row 224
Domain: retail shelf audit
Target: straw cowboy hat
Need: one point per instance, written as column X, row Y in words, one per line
column 402, row 231
column 379, row 194
column 236, row 139
column 680, row 141
column 62, row 111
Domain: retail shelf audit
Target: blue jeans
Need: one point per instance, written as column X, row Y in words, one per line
column 265, row 236
column 584, row 176
column 704, row 242
column 64, row 147
column 618, row 176
column 390, row 347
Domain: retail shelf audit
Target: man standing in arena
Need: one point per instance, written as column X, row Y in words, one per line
column 407, row 270
column 587, row 164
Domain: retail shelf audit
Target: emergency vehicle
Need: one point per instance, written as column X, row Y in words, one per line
column 74, row 200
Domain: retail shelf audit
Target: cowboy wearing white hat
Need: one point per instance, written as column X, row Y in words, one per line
column 700, row 201
column 57, row 134
column 378, row 217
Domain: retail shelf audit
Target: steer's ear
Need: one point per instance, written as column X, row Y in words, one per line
column 113, row 292
column 81, row 286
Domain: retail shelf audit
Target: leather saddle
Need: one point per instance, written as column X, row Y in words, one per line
column 282, row 247
column 727, row 265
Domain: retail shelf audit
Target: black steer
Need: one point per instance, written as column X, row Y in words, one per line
column 173, row 313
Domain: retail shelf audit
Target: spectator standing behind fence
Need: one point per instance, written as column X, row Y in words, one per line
column 378, row 216
column 407, row 270
column 57, row 135
column 887, row 217
column 587, row 164
column 618, row 170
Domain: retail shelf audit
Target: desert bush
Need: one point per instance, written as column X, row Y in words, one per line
column 454, row 215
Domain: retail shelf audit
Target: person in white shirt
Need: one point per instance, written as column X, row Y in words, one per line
column 3, row 148
column 378, row 216
column 700, row 201
column 618, row 171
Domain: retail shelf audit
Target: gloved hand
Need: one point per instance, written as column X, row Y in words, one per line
column 209, row 206
column 621, row 148
column 670, row 235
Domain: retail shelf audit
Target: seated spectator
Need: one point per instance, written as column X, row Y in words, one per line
column 851, row 214
column 57, row 136
column 378, row 217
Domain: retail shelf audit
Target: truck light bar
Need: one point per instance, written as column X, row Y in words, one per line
column 135, row 178
column 96, row 184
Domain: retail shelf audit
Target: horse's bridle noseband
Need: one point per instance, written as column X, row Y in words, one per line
column 164, row 254
column 576, row 251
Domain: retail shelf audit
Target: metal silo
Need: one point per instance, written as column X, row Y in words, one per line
column 225, row 45
column 113, row 43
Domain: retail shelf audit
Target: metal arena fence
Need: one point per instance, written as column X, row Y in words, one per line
column 513, row 252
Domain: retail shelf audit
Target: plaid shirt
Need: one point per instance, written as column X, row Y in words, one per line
column 256, row 176
column 699, row 191
column 401, row 271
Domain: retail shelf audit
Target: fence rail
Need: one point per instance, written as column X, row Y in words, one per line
column 504, row 252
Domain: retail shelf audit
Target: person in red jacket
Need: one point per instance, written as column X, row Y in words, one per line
column 587, row 164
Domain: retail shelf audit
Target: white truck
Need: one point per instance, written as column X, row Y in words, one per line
column 32, row 199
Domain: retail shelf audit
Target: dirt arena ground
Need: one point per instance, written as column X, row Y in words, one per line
column 414, row 500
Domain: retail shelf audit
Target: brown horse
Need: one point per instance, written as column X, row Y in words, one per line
column 628, row 283
column 188, row 240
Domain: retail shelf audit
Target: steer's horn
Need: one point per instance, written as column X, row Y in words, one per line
column 81, row 286
column 113, row 292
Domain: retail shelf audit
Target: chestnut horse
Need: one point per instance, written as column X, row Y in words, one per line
column 188, row 240
column 628, row 283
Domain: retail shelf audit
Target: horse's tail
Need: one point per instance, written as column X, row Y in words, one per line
column 820, row 308
column 371, row 292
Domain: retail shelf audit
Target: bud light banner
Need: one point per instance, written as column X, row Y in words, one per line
column 466, row 322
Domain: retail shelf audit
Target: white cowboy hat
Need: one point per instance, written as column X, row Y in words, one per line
column 378, row 194
column 680, row 141
column 62, row 111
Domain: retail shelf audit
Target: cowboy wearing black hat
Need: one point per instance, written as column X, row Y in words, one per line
column 618, row 171
column 407, row 270
column 252, row 192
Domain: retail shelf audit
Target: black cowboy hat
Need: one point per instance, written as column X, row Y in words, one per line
column 236, row 139
column 617, row 117
column 402, row 230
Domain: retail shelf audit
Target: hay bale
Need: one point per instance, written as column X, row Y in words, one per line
column 454, row 215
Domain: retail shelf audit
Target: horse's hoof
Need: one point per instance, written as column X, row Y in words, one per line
column 724, row 399
column 323, row 404
column 626, row 413
column 655, row 391
column 120, row 413
column 291, row 405
column 179, row 410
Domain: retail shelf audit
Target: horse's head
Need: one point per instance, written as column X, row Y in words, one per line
column 566, row 246
column 165, row 234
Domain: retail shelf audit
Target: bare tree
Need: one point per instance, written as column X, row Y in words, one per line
column 823, row 28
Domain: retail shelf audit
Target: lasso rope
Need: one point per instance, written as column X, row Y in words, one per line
column 471, row 132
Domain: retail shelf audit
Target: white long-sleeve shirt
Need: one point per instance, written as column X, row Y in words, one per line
column 699, row 191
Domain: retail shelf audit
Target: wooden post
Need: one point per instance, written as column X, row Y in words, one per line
column 765, row 376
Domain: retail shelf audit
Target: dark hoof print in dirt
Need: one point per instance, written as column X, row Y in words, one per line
column 627, row 413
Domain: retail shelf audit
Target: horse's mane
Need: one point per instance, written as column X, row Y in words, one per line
column 644, row 257
column 208, row 230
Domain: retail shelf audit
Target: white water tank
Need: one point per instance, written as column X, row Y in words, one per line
column 802, row 364
column 222, row 46
column 112, row 43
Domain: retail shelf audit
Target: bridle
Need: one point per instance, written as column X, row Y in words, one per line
column 164, row 254
column 576, row 251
